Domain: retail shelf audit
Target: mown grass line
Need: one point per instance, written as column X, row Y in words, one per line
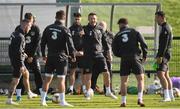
column 98, row 101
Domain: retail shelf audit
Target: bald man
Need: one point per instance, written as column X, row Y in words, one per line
column 107, row 54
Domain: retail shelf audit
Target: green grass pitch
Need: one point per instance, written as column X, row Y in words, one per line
column 98, row 101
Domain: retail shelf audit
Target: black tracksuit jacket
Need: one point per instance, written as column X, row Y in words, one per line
column 126, row 44
column 58, row 40
column 94, row 41
column 32, row 39
column 17, row 45
column 165, row 39
column 77, row 38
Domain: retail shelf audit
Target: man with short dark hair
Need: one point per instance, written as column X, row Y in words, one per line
column 57, row 38
column 126, row 46
column 77, row 32
column 94, row 43
column 163, row 55
column 28, row 16
column 32, row 39
column 17, row 57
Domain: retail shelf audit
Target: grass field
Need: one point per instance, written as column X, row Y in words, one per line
column 98, row 101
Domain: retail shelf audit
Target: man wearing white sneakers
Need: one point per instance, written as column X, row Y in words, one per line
column 17, row 57
column 128, row 45
column 59, row 43
column 163, row 55
column 94, row 43
column 32, row 39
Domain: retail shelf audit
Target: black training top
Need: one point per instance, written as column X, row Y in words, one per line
column 76, row 36
column 94, row 41
column 165, row 39
column 32, row 39
column 17, row 45
column 58, row 40
column 126, row 44
column 110, row 37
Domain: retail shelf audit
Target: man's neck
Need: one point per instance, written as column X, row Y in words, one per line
column 162, row 22
column 92, row 25
column 77, row 23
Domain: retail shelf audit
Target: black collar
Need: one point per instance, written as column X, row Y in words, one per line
column 163, row 24
column 21, row 31
column 90, row 26
column 123, row 28
column 58, row 22
column 76, row 25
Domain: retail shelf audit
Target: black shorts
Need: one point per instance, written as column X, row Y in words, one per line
column 109, row 66
column 131, row 65
column 163, row 66
column 98, row 62
column 56, row 64
column 77, row 64
column 16, row 64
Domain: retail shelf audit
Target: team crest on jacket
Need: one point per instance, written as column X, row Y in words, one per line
column 98, row 31
column 73, row 32
column 90, row 33
column 32, row 33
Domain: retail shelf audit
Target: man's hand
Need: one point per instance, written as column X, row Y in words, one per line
column 159, row 60
column 109, row 56
column 81, row 33
column 144, row 60
column 25, row 55
column 73, row 59
column 29, row 59
column 45, row 59
column 79, row 53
